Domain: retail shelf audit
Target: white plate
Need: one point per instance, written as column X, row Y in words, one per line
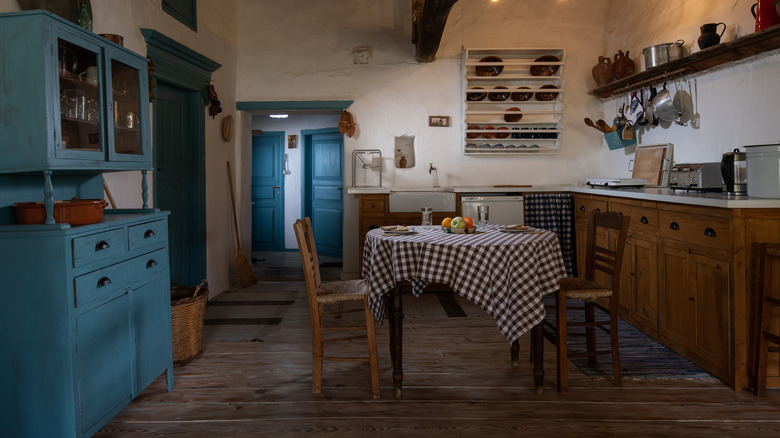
column 400, row 233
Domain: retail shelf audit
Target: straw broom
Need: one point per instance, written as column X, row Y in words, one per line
column 243, row 268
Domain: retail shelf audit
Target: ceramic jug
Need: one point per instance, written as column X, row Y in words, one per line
column 709, row 35
column 602, row 72
column 765, row 13
column 623, row 65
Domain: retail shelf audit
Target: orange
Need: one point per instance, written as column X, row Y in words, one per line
column 446, row 222
column 469, row 222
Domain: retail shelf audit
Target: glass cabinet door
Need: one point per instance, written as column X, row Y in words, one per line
column 125, row 98
column 79, row 90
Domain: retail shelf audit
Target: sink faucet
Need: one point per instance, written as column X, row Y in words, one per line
column 431, row 170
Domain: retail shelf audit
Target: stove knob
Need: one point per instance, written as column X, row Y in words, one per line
column 694, row 179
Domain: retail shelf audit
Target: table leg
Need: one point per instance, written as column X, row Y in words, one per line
column 537, row 344
column 395, row 319
column 514, row 352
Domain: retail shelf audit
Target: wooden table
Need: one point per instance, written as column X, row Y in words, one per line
column 507, row 274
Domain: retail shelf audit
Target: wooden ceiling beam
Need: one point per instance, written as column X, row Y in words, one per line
column 428, row 20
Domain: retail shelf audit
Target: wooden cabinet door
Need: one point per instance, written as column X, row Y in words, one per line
column 677, row 298
column 104, row 361
column 643, row 291
column 711, row 287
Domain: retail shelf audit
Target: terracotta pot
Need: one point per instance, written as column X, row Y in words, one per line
column 623, row 65
column 602, row 72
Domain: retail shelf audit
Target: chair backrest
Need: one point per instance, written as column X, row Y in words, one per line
column 311, row 269
column 607, row 233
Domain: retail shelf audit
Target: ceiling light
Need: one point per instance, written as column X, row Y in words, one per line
column 278, row 116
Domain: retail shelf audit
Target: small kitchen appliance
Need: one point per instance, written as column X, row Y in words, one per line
column 704, row 177
column 733, row 169
column 616, row 182
column 763, row 168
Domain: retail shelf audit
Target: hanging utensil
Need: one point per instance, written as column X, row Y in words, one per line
column 590, row 123
column 604, row 127
column 696, row 118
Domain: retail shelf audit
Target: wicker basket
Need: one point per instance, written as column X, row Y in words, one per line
column 188, row 305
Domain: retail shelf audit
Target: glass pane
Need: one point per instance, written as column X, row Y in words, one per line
column 127, row 132
column 79, row 105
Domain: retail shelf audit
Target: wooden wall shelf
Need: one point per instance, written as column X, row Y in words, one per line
column 737, row 50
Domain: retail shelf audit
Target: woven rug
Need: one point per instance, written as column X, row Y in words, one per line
column 247, row 315
column 641, row 357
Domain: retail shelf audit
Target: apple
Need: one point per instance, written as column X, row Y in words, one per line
column 458, row 222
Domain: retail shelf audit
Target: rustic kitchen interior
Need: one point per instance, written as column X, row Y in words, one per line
column 488, row 102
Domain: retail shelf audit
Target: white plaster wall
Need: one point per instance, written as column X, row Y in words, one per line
column 301, row 50
column 738, row 104
column 293, row 125
column 216, row 39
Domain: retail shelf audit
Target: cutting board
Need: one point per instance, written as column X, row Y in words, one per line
column 650, row 163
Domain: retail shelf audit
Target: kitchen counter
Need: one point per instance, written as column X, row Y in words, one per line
column 648, row 194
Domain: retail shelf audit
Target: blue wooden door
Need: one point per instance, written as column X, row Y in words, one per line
column 324, row 192
column 177, row 179
column 267, row 192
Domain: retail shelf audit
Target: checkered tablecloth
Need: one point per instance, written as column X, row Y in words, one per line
column 506, row 274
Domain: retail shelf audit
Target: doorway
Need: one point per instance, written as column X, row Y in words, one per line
column 181, row 76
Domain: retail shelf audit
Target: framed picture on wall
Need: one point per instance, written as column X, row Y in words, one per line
column 292, row 141
column 440, row 121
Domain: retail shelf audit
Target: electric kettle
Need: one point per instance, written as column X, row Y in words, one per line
column 733, row 168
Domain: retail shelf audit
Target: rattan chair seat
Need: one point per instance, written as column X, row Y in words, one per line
column 341, row 291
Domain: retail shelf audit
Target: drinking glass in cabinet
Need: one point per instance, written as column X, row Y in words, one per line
column 78, row 100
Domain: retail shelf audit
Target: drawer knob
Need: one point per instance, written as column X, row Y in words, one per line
column 148, row 234
column 104, row 281
column 644, row 220
column 582, row 208
column 102, row 245
column 709, row 232
column 598, row 210
column 674, row 226
column 151, row 263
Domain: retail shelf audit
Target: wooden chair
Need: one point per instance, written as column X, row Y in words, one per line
column 327, row 295
column 769, row 254
column 598, row 288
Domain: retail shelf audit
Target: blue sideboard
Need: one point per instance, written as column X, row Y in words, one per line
column 85, row 323
column 85, row 319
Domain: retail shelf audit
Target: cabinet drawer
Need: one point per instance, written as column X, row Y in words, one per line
column 709, row 231
column 98, row 246
column 148, row 234
column 103, row 282
column 376, row 204
column 644, row 218
column 583, row 205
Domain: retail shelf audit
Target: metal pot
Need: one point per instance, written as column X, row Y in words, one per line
column 663, row 105
column 662, row 53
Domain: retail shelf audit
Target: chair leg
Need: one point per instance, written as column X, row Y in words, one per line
column 560, row 317
column 613, row 334
column 590, row 335
column 372, row 359
column 316, row 358
column 762, row 347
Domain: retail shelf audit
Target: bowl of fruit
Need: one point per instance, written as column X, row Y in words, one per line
column 458, row 225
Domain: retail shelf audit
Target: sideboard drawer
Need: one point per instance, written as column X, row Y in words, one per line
column 105, row 281
column 709, row 231
column 148, row 234
column 98, row 246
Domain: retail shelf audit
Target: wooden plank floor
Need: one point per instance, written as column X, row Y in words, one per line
column 458, row 382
